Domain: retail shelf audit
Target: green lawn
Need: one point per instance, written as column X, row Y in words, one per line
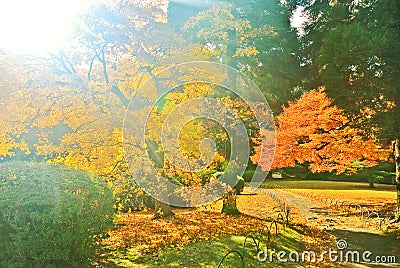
column 331, row 185
column 208, row 253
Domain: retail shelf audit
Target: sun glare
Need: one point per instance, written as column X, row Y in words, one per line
column 38, row 26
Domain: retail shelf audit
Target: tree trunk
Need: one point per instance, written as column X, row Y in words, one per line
column 229, row 203
column 397, row 161
column 229, row 200
column 370, row 179
column 230, row 59
column 371, row 182
column 162, row 210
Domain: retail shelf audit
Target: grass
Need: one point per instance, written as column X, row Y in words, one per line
column 326, row 185
column 208, row 253
column 210, row 235
column 351, row 192
column 381, row 199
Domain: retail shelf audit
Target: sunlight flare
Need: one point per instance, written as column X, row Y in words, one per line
column 35, row 27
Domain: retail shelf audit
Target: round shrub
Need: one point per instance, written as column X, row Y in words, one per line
column 51, row 215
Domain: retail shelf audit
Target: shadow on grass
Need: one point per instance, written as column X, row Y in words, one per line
column 327, row 185
column 376, row 243
column 380, row 246
column 207, row 253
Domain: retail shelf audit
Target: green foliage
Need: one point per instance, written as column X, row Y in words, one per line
column 255, row 34
column 378, row 177
column 51, row 215
column 362, row 69
column 381, row 173
column 298, row 172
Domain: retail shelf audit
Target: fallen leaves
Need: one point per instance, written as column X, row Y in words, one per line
column 142, row 232
column 368, row 197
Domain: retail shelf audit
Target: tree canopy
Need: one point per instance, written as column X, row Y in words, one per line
column 72, row 101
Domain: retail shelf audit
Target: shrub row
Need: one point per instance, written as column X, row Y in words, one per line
column 50, row 215
column 382, row 173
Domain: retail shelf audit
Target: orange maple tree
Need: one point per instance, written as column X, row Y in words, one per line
column 312, row 130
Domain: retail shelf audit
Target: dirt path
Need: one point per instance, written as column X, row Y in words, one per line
column 357, row 236
column 320, row 216
column 309, row 210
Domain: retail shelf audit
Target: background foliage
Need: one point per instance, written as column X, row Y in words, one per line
column 51, row 215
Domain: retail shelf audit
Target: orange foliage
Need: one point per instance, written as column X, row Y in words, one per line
column 312, row 130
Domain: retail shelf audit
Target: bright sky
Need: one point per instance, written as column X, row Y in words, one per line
column 298, row 19
column 37, row 26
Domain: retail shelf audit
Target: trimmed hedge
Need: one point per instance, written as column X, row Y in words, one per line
column 51, row 215
column 381, row 173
